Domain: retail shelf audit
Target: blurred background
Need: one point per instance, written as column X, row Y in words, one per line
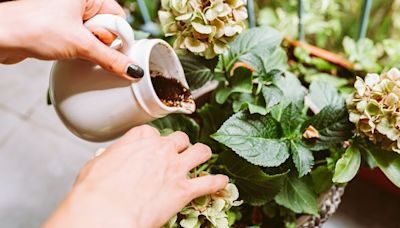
column 39, row 158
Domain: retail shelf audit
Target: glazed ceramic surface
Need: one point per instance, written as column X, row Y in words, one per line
column 99, row 106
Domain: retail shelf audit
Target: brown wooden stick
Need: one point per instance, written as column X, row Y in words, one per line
column 323, row 54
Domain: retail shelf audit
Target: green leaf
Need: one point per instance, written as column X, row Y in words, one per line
column 297, row 195
column 210, row 122
column 348, row 165
column 198, row 71
column 48, row 97
column 291, row 120
column 302, row 157
column 256, row 47
column 322, row 179
column 178, row 122
column 254, row 103
column 255, row 138
column 241, row 82
column 322, row 94
column 293, row 92
column 255, row 186
column 166, row 131
column 139, row 35
column 363, row 53
column 334, row 81
column 271, row 76
column 333, row 127
column 272, row 95
column 388, row 162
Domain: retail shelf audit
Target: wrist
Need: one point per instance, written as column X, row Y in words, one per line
column 87, row 208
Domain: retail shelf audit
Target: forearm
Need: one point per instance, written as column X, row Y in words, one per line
column 85, row 209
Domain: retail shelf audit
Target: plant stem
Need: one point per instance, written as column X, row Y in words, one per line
column 365, row 19
column 252, row 14
column 301, row 20
column 144, row 11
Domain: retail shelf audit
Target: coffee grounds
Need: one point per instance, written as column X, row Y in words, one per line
column 170, row 91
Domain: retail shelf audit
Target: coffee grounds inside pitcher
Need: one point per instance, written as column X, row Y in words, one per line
column 170, row 91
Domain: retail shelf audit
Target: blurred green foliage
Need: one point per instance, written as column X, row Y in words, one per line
column 327, row 22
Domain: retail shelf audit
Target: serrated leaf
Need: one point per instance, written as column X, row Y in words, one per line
column 333, row 127
column 303, row 158
column 178, row 122
column 212, row 117
column 322, row 94
column 255, row 186
column 291, row 120
column 322, row 179
column 387, row 161
column 198, row 71
column 293, row 92
column 272, row 95
column 348, row 165
column 256, row 47
column 251, row 102
column 241, row 82
column 297, row 195
column 255, row 138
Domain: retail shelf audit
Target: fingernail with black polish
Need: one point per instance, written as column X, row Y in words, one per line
column 135, row 71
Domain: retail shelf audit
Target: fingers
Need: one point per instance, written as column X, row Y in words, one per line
column 112, row 60
column 112, row 7
column 94, row 7
column 180, row 140
column 141, row 132
column 91, row 8
column 103, row 35
column 209, row 184
column 195, row 156
column 12, row 60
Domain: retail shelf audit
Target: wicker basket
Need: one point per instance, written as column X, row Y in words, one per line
column 328, row 205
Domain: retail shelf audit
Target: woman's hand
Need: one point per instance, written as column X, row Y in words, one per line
column 53, row 29
column 139, row 181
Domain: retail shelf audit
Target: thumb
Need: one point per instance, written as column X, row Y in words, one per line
column 109, row 59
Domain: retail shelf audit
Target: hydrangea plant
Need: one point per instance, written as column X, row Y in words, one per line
column 374, row 108
column 203, row 27
column 282, row 141
column 210, row 211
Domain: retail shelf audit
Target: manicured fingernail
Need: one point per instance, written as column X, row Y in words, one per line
column 135, row 71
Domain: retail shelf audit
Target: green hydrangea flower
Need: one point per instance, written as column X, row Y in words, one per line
column 375, row 108
column 203, row 27
column 211, row 210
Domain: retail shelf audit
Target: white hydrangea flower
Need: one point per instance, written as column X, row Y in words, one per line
column 203, row 27
column 375, row 108
column 211, row 210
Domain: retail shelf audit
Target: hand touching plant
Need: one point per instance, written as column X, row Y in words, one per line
column 139, row 181
column 53, row 29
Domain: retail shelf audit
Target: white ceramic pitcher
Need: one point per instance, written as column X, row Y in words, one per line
column 99, row 106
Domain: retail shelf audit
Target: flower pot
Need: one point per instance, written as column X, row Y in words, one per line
column 328, row 205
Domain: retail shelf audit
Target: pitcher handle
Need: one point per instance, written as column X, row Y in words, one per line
column 115, row 24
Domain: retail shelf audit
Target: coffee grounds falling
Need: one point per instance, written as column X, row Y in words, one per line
column 170, row 91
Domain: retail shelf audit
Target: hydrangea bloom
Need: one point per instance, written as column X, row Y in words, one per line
column 211, row 210
column 375, row 108
column 204, row 27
